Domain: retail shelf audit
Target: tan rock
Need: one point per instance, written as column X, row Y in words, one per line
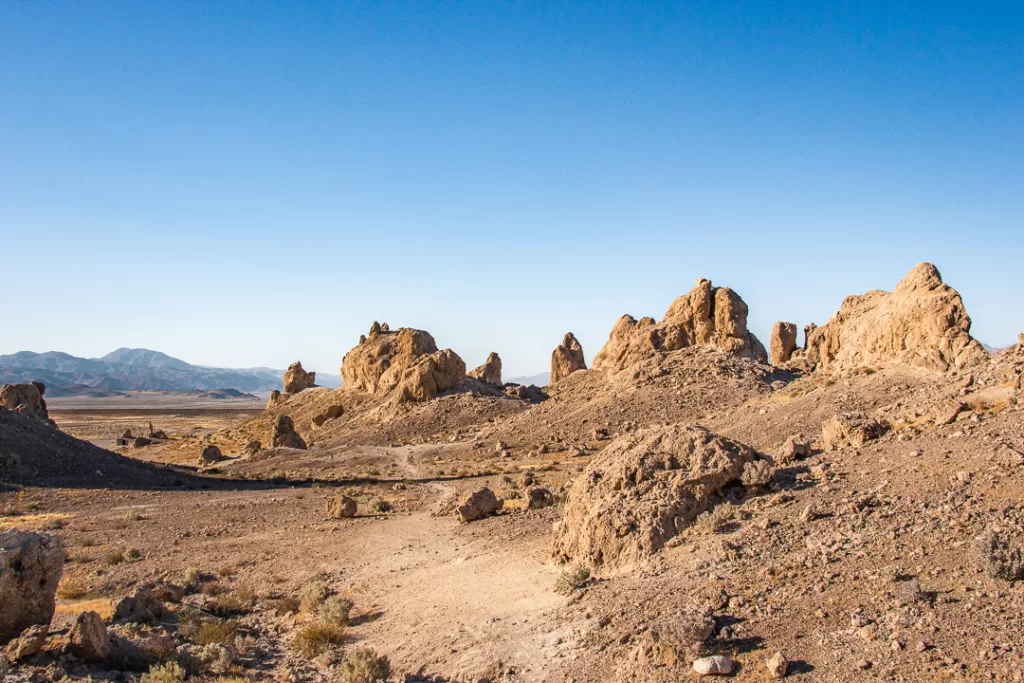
column 644, row 488
column 706, row 316
column 210, row 455
column 26, row 399
column 406, row 362
column 477, row 505
column 30, row 567
column 490, row 371
column 88, row 637
column 274, row 400
column 851, row 430
column 332, row 413
column 715, row 665
column 296, row 379
column 340, row 507
column 284, row 434
column 252, row 447
column 30, row 642
column 567, row 358
column 922, row 323
column 783, row 342
column 777, row 665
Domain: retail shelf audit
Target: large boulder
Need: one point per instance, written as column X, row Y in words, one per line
column 284, row 434
column 140, row 605
column 406, row 362
column 642, row 490
column 923, row 323
column 296, row 379
column 783, row 342
column 477, row 505
column 567, row 358
column 706, row 316
column 490, row 371
column 30, row 567
column 88, row 637
column 26, row 399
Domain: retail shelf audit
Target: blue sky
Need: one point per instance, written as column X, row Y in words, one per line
column 251, row 183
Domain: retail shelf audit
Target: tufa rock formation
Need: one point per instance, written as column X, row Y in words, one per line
column 783, row 342
column 30, row 567
column 707, row 316
column 922, row 323
column 642, row 490
column 274, row 400
column 490, row 371
column 406, row 362
column 284, row 434
column 567, row 358
column 88, row 637
column 296, row 379
column 26, row 399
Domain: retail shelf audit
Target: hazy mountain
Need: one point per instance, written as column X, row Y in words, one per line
column 133, row 370
column 539, row 379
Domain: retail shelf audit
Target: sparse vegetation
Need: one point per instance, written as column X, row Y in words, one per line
column 216, row 633
column 170, row 672
column 364, row 666
column 231, row 604
column 73, row 588
column 335, row 610
column 312, row 595
column 314, row 639
column 131, row 555
column 379, row 505
column 572, row 579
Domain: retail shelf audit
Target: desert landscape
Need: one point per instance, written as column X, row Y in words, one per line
column 848, row 506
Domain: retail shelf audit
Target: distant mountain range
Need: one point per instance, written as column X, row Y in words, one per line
column 135, row 370
column 540, row 379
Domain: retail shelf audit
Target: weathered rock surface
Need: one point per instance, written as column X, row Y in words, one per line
column 531, row 393
column 26, row 399
column 706, row 316
column 284, row 434
column 274, row 400
column 340, row 507
column 30, row 567
column 406, row 362
column 567, row 358
column 140, row 606
column 642, row 490
column 783, row 342
column 477, row 505
column 851, row 430
column 715, row 665
column 923, row 323
column 30, row 642
column 296, row 379
column 88, row 637
column 252, row 447
column 210, row 455
column 332, row 413
column 490, row 371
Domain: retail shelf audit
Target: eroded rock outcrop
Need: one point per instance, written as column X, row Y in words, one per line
column 706, row 316
column 923, row 323
column 567, row 358
column 296, row 379
column 642, row 490
column 284, row 434
column 30, row 567
column 783, row 342
column 26, row 399
column 406, row 362
column 490, row 371
column 210, row 455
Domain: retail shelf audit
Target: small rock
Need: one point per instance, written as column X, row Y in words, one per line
column 477, row 505
column 341, row 507
column 28, row 643
column 139, row 606
column 716, row 665
column 777, row 665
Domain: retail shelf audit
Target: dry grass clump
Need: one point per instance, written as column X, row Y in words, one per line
column 714, row 520
column 72, row 588
column 232, row 604
column 999, row 556
column 118, row 555
column 379, row 505
column 171, row 672
column 216, row 633
column 283, row 606
column 314, row 639
column 364, row 666
column 335, row 610
column 572, row 579
column 312, row 595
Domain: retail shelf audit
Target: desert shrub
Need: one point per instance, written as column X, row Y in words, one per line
column 113, row 557
column 379, row 505
column 231, row 604
column 364, row 666
column 131, row 555
column 189, row 621
column 714, row 520
column 134, row 516
column 316, row 638
column 171, row 672
column 335, row 610
column 216, row 633
column 572, row 579
column 211, row 588
column 284, row 605
column 999, row 556
column 71, row 588
column 756, row 473
column 52, row 525
column 193, row 576
column 312, row 595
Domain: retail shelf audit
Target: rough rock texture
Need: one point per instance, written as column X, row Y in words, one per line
column 477, row 505
column 139, row 606
column 252, row 447
column 706, row 316
column 531, row 393
column 490, row 371
column 406, row 362
column 340, row 507
column 284, row 434
column 88, row 637
column 331, row 413
column 26, row 399
column 922, row 323
column 275, row 398
column 30, row 567
column 783, row 342
column 28, row 643
column 210, row 455
column 296, row 379
column 851, row 430
column 642, row 490
column 567, row 358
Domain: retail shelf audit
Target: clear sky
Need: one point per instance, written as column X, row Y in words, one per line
column 251, row 183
